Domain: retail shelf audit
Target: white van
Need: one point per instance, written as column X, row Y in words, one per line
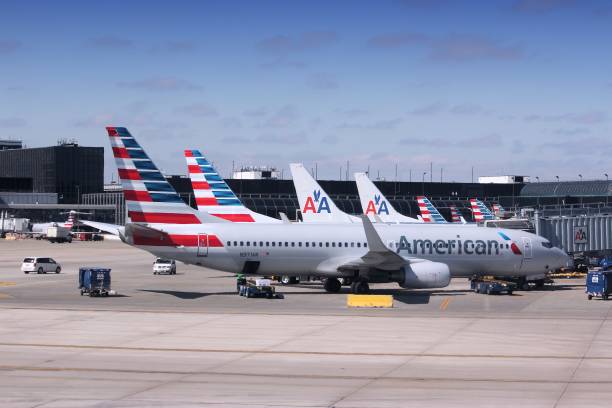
column 40, row 265
column 162, row 265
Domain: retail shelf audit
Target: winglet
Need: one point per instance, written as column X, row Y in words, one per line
column 374, row 241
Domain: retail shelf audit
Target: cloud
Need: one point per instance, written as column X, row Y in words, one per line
column 476, row 142
column 384, row 124
column 109, row 43
column 163, row 84
column 174, row 47
column 9, row 46
column 257, row 112
column 284, row 117
column 584, row 118
column 12, row 122
column 284, row 44
column 200, row 109
column 322, row 81
column 287, row 139
column 571, row 131
column 231, row 122
column 540, row 6
column 431, row 109
column 452, row 47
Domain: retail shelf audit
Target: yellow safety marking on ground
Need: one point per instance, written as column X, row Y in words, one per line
column 7, row 283
column 445, row 303
column 369, row 300
column 5, row 296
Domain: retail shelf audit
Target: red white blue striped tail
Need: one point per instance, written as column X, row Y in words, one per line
column 480, row 211
column 429, row 213
column 149, row 198
column 455, row 215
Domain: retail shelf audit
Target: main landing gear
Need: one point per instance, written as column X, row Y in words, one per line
column 358, row 287
column 332, row 285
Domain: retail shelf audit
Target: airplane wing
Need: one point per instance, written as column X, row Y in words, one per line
column 378, row 255
column 110, row 228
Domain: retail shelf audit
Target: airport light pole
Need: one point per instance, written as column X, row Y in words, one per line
column 423, row 183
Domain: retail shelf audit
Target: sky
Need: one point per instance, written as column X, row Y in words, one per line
column 505, row 87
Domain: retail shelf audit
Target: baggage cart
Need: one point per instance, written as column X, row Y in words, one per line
column 94, row 281
column 599, row 283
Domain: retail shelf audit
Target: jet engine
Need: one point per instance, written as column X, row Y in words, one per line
column 420, row 275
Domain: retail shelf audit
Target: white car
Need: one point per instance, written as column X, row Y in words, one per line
column 40, row 265
column 162, row 265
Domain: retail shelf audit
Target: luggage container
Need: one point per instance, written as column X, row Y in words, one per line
column 599, row 283
column 94, row 281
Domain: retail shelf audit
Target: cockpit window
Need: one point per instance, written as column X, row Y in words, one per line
column 546, row 244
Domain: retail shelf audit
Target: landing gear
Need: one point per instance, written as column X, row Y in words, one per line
column 332, row 285
column 360, row 287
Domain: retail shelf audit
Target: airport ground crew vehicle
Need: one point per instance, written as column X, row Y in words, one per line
column 492, row 286
column 94, row 281
column 252, row 288
column 599, row 283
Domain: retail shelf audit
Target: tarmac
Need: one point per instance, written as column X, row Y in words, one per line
column 188, row 340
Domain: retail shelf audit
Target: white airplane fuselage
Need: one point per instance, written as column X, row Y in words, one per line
column 306, row 249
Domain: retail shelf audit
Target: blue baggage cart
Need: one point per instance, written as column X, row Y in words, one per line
column 599, row 283
column 94, row 281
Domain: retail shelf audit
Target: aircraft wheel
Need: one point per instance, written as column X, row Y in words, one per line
column 332, row 285
column 360, row 287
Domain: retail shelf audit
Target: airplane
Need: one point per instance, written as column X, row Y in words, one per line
column 214, row 196
column 429, row 213
column 315, row 204
column 501, row 213
column 41, row 228
column 375, row 204
column 414, row 256
column 456, row 216
column 480, row 211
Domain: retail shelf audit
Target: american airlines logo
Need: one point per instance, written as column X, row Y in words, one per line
column 448, row 247
column 377, row 206
column 317, row 205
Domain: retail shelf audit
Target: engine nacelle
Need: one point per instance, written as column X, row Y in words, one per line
column 421, row 275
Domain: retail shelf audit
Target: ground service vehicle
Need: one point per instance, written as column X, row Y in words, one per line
column 492, row 287
column 257, row 288
column 599, row 283
column 40, row 265
column 162, row 265
column 94, row 281
column 606, row 263
column 58, row 234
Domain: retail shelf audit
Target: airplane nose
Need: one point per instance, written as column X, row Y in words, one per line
column 563, row 259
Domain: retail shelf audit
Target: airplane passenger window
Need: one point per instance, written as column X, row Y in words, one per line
column 229, row 243
column 346, row 244
column 273, row 243
column 359, row 245
column 365, row 244
column 300, row 243
column 254, row 243
column 241, row 243
column 352, row 244
column 327, row 244
column 248, row 243
column 307, row 244
column 286, row 243
column 314, row 244
column 320, row 244
column 235, row 243
column 260, row 243
column 267, row 244
column 333, row 244
column 292, row 244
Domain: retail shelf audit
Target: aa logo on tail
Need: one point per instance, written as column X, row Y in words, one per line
column 310, row 206
column 378, row 206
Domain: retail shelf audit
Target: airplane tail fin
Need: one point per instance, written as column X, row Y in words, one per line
column 149, row 197
column 480, row 211
column 429, row 212
column 374, row 203
column 455, row 214
column 315, row 203
column 212, row 194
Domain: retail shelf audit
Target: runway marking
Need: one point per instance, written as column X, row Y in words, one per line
column 289, row 352
column 7, row 283
column 285, row 375
column 445, row 303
